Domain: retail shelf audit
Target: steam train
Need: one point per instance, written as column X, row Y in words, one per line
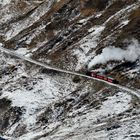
column 102, row 77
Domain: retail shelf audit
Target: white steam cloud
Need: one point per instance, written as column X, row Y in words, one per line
column 131, row 54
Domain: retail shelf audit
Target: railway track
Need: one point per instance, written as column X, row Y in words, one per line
column 12, row 53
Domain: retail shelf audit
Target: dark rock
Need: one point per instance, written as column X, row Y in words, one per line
column 48, row 71
column 114, row 126
column 2, row 138
column 76, row 79
column 135, row 136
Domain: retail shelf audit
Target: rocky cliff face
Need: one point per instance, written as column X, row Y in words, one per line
column 99, row 35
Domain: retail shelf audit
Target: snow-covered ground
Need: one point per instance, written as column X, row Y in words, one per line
column 17, row 27
column 92, row 123
column 36, row 91
column 4, row 2
column 86, row 52
column 88, row 43
column 53, row 103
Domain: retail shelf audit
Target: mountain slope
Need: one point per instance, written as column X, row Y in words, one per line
column 100, row 35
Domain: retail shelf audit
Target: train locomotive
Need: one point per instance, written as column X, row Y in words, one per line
column 102, row 77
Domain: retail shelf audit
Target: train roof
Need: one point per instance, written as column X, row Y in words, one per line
column 110, row 77
column 101, row 74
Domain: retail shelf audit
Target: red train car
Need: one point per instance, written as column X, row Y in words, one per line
column 102, row 77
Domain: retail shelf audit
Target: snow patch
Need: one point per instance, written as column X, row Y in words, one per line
column 22, row 51
column 79, row 125
column 43, row 93
column 23, row 24
column 4, row 2
column 125, row 22
column 88, row 43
